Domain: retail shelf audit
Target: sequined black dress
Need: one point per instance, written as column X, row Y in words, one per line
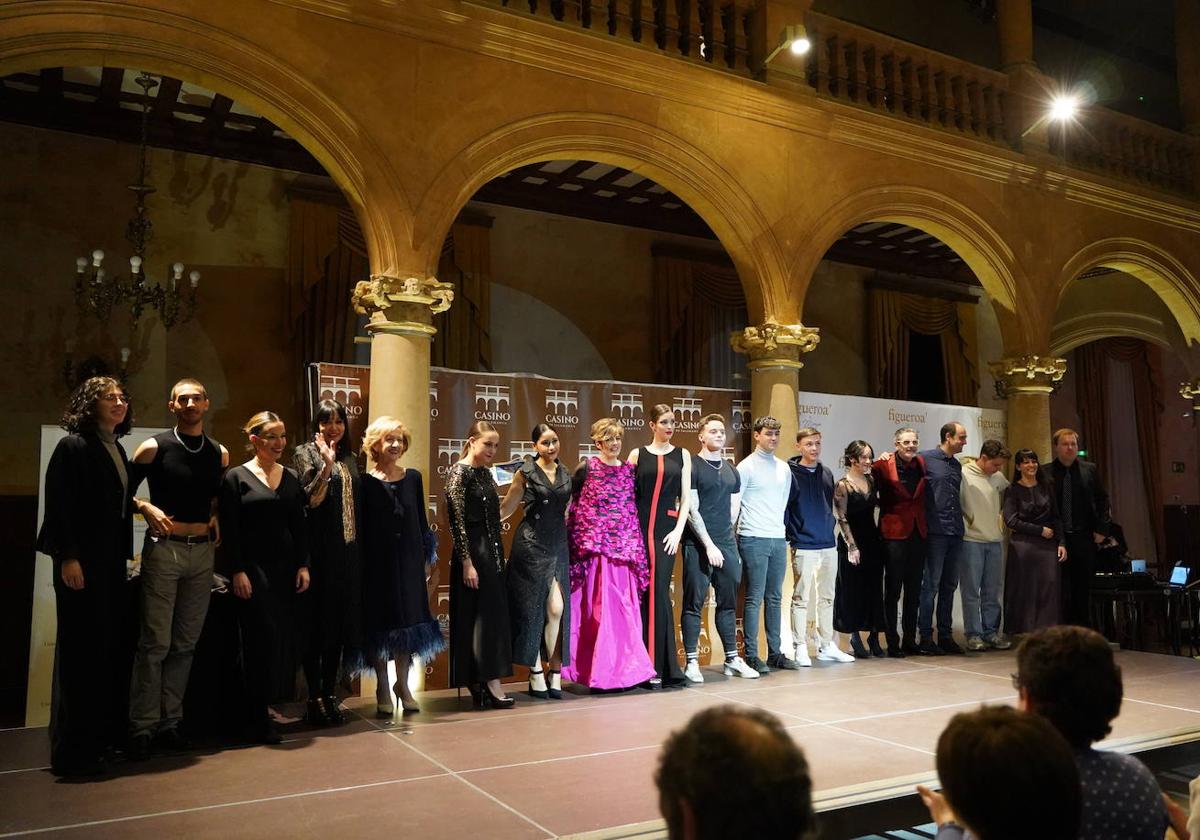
column 539, row 561
column 480, row 640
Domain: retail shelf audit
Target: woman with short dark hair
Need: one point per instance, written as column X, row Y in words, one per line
column 332, row 618
column 87, row 531
column 1035, row 549
column 858, row 602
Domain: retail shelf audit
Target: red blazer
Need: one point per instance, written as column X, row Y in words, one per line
column 898, row 511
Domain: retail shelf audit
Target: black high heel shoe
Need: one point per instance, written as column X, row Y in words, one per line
column 873, row 644
column 555, row 693
column 476, row 696
column 856, row 645
column 542, row 694
column 497, row 702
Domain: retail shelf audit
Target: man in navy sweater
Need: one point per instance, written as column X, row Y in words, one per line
column 810, row 532
column 944, row 518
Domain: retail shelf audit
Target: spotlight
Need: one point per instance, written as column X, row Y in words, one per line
column 1063, row 108
column 794, row 39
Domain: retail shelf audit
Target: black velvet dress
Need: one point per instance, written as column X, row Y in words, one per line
column 658, row 485
column 264, row 534
column 539, row 560
column 397, row 619
column 858, row 600
column 480, row 634
column 1032, row 573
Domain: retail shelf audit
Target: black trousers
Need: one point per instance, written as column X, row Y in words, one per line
column 698, row 575
column 903, row 567
column 1077, row 575
column 259, row 623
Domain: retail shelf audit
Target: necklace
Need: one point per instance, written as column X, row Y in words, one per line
column 175, row 432
column 716, row 465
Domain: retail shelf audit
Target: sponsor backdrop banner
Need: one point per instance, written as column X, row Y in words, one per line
column 514, row 403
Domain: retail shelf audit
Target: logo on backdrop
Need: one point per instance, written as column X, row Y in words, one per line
column 812, row 412
column 433, row 512
column 344, row 389
column 518, row 449
column 905, row 417
column 688, row 411
column 433, row 398
column 628, row 409
column 740, row 416
column 450, row 450
column 587, row 450
column 992, row 428
column 562, row 407
column 492, row 403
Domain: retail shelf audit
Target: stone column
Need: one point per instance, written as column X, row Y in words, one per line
column 1027, row 383
column 1187, row 62
column 401, row 313
column 1023, row 110
column 1014, row 22
column 775, row 350
column 401, row 327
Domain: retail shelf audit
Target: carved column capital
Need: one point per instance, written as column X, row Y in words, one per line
column 775, row 345
column 402, row 305
column 1029, row 374
column 1190, row 391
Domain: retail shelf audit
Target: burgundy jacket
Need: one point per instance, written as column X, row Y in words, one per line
column 898, row 511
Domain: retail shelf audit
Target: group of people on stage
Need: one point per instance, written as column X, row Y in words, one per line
column 585, row 594
column 355, row 545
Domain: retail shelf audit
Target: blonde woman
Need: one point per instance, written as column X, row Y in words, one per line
column 265, row 543
column 397, row 551
column 608, row 571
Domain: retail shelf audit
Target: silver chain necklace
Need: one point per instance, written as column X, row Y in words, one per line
column 716, row 465
column 195, row 451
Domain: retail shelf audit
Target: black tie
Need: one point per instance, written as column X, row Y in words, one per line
column 1067, row 511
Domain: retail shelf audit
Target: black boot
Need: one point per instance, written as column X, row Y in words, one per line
column 856, row 645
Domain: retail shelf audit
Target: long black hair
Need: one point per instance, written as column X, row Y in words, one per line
column 539, row 430
column 80, row 414
column 1021, row 457
column 326, row 410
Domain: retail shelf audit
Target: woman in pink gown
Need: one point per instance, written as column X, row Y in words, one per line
column 608, row 571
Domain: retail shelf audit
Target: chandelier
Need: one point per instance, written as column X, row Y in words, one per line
column 97, row 293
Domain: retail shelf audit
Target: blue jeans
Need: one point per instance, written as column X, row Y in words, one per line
column 939, row 583
column 764, row 562
column 980, row 591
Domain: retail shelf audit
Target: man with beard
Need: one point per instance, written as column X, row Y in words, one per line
column 184, row 468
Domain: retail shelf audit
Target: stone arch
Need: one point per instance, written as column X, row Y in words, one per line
column 1169, row 278
column 972, row 237
column 187, row 49
column 711, row 190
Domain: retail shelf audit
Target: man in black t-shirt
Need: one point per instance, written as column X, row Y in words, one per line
column 710, row 554
column 184, row 468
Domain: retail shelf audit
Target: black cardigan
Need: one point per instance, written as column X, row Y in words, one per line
column 86, row 509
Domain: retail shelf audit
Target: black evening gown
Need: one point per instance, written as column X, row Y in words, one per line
column 539, row 561
column 331, row 610
column 88, row 518
column 1031, row 575
column 480, row 634
column 397, row 619
column 658, row 483
column 264, row 534
column 858, row 600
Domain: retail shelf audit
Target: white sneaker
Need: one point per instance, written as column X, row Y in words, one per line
column 737, row 667
column 802, row 657
column 830, row 652
column 692, row 672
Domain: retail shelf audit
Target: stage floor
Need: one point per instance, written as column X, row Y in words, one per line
column 547, row 768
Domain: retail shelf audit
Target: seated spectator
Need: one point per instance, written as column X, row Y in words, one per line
column 734, row 772
column 1004, row 774
column 1068, row 676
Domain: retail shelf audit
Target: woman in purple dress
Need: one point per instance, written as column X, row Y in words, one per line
column 608, row 571
column 1035, row 549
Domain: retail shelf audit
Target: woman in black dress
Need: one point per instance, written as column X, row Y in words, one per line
column 480, row 635
column 537, row 568
column 87, row 531
column 858, row 602
column 265, row 542
column 398, row 552
column 1036, row 548
column 663, row 470
column 332, row 615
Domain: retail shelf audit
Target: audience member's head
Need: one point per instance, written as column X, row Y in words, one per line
column 734, row 772
column 1068, row 676
column 1008, row 774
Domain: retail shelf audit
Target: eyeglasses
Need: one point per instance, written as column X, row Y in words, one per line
column 112, row 398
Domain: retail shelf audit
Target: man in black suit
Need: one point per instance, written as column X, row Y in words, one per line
column 1083, row 505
